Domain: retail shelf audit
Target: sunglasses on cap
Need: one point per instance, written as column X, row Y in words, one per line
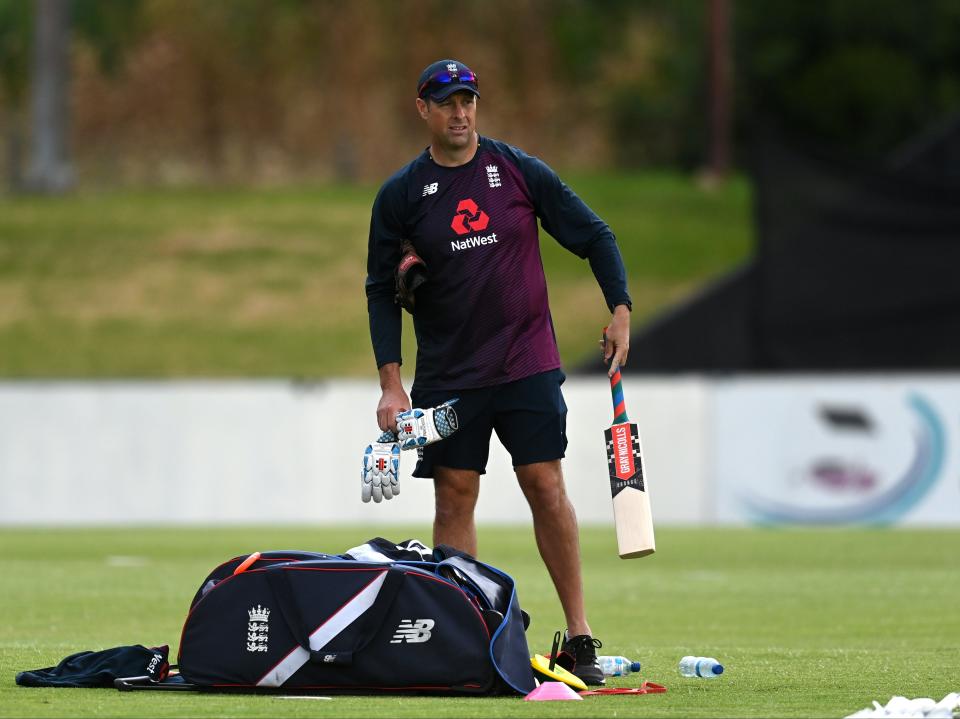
column 445, row 77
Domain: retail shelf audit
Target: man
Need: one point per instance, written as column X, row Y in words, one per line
column 469, row 205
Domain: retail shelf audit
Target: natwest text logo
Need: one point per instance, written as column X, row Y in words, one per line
column 469, row 242
column 469, row 218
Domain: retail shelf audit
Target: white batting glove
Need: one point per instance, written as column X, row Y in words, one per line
column 420, row 427
column 380, row 476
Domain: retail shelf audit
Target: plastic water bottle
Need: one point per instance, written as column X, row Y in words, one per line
column 703, row 667
column 617, row 666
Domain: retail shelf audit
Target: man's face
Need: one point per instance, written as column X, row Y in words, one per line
column 452, row 121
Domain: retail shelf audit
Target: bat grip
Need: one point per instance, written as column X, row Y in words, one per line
column 616, row 390
column 619, row 403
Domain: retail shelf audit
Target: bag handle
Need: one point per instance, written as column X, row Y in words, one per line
column 372, row 618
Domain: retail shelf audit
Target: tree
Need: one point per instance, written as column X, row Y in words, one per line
column 15, row 23
column 51, row 171
column 859, row 75
column 43, row 68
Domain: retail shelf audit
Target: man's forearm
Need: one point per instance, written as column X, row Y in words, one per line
column 385, row 329
column 607, row 266
column 390, row 376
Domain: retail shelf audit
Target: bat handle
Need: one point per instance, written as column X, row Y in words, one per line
column 619, row 403
column 616, row 390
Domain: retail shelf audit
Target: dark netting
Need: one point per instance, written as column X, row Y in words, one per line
column 856, row 269
column 712, row 331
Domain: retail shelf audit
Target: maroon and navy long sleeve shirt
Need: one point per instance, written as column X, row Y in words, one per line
column 482, row 318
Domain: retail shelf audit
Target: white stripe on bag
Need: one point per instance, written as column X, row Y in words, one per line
column 323, row 634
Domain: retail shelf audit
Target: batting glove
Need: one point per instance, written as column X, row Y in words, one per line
column 380, row 476
column 420, row 427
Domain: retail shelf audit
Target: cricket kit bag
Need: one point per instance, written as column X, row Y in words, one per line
column 362, row 622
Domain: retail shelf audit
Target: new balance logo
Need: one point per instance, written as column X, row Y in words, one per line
column 430, row 189
column 413, row 631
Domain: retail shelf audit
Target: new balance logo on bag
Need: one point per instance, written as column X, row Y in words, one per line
column 413, row 631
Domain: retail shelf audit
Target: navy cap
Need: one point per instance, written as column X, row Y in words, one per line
column 443, row 78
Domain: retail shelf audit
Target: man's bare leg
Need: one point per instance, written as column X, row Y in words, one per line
column 455, row 492
column 558, row 537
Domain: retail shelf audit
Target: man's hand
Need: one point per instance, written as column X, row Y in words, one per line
column 380, row 476
column 616, row 339
column 393, row 398
column 420, row 427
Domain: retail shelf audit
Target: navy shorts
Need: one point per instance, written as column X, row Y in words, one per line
column 529, row 416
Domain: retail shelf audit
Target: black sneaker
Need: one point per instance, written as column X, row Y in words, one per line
column 583, row 648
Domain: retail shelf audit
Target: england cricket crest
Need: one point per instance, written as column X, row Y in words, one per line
column 258, row 629
column 623, row 457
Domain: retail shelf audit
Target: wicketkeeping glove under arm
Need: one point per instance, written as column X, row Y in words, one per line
column 410, row 274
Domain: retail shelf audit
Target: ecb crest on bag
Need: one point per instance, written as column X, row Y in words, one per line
column 258, row 629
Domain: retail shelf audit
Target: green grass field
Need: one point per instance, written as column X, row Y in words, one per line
column 251, row 283
column 266, row 283
column 808, row 623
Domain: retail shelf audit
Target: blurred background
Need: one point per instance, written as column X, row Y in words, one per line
column 184, row 211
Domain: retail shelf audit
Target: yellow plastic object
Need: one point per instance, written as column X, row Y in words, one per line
column 541, row 665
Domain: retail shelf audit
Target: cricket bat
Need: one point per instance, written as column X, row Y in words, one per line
column 628, row 479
